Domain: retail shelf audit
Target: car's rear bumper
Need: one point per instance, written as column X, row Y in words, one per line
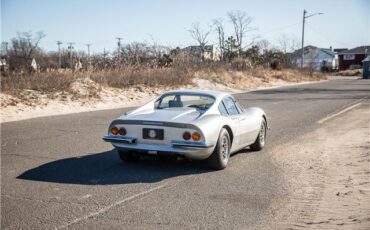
column 113, row 139
column 192, row 150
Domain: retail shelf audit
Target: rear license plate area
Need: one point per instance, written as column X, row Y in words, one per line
column 153, row 134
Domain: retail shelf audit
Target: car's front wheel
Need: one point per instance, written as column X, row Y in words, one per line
column 128, row 156
column 261, row 138
column 221, row 155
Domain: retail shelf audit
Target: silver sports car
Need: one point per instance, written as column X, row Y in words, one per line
column 196, row 124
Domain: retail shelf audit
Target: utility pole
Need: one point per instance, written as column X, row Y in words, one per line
column 119, row 47
column 119, row 44
column 304, row 21
column 104, row 54
column 88, row 54
column 4, row 47
column 70, row 47
column 104, row 58
column 60, row 56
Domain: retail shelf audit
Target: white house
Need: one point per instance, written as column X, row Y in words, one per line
column 3, row 64
column 317, row 58
column 34, row 65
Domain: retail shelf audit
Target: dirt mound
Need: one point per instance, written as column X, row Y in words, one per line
column 85, row 87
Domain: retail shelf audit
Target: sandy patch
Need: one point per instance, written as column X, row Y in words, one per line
column 40, row 105
column 327, row 175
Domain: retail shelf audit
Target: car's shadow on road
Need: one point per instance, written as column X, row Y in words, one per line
column 106, row 168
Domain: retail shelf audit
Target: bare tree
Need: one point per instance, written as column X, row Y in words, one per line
column 283, row 42
column 294, row 44
column 23, row 47
column 289, row 46
column 28, row 43
column 263, row 45
column 200, row 36
column 311, row 65
column 241, row 23
column 219, row 27
column 294, row 56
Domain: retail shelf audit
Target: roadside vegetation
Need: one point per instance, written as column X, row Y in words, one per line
column 176, row 76
column 240, row 61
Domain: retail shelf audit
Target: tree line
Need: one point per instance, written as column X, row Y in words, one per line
column 241, row 49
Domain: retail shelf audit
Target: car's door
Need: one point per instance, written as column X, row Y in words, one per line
column 237, row 121
column 250, row 126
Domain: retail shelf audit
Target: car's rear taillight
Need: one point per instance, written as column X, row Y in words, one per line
column 196, row 136
column 186, row 136
column 122, row 131
column 114, row 130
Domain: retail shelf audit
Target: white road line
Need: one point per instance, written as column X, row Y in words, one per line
column 106, row 208
column 338, row 113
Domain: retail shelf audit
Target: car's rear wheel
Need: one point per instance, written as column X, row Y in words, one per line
column 221, row 155
column 129, row 156
column 261, row 139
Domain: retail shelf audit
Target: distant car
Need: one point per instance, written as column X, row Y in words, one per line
column 195, row 124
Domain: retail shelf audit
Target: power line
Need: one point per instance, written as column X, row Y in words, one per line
column 280, row 28
column 102, row 41
column 328, row 38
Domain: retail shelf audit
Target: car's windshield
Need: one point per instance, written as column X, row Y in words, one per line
column 183, row 100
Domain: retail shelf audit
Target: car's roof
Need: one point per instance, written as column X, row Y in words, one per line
column 213, row 93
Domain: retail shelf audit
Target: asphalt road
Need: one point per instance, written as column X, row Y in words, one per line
column 56, row 172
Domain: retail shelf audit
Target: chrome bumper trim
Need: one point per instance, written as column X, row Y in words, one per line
column 190, row 144
column 119, row 139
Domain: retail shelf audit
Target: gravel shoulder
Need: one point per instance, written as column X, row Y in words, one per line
column 327, row 174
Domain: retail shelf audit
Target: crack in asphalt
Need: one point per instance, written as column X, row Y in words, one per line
column 48, row 201
column 120, row 202
column 29, row 156
column 149, row 223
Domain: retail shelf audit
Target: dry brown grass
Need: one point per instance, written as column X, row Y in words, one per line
column 256, row 77
column 129, row 76
column 349, row 73
column 51, row 83
column 44, row 82
column 178, row 75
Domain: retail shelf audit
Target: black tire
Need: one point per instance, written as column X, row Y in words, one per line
column 129, row 156
column 261, row 138
column 221, row 155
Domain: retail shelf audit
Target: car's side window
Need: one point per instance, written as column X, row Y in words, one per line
column 163, row 102
column 230, row 106
column 222, row 109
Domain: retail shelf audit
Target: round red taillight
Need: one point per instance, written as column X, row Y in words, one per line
column 186, row 136
column 122, row 131
column 114, row 130
column 196, row 136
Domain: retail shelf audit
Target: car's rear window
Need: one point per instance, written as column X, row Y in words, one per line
column 181, row 100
